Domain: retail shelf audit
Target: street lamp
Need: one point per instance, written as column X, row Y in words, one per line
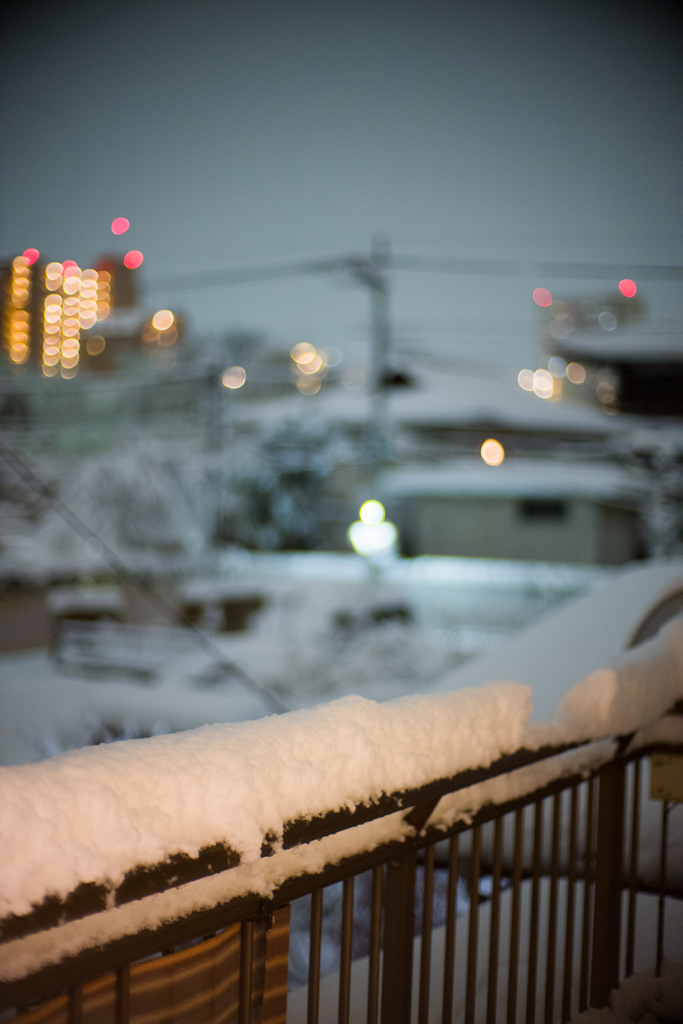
column 372, row 535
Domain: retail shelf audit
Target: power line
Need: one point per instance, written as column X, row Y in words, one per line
column 360, row 266
column 124, row 572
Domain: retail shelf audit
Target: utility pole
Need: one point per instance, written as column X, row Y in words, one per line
column 213, row 459
column 372, row 273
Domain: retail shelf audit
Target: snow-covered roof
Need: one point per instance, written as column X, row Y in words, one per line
column 655, row 340
column 516, row 477
column 62, row 601
column 444, row 399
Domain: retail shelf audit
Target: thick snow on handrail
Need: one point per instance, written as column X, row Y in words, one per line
column 94, row 814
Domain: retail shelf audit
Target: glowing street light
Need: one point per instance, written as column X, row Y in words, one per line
column 372, row 535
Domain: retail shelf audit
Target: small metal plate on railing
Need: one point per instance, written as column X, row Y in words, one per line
column 666, row 777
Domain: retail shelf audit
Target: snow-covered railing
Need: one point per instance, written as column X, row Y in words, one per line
column 113, row 853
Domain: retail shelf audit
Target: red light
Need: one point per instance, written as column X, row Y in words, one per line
column 68, row 263
column 626, row 287
column 133, row 259
column 119, row 225
column 31, row 255
column 542, row 297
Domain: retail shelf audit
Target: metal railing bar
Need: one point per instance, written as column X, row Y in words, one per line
column 146, row 880
column 535, row 907
column 514, row 917
column 587, row 893
column 374, row 951
column 93, row 963
column 426, row 948
column 314, row 956
column 609, row 883
column 473, row 938
column 633, row 869
column 494, row 936
column 75, row 1010
column 666, row 807
column 305, row 831
column 345, row 952
column 123, row 995
column 571, row 904
column 552, row 912
column 399, row 921
column 451, row 919
column 246, row 966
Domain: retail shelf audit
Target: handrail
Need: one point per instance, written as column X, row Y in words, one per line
column 179, row 869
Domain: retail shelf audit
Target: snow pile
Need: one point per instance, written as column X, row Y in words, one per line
column 638, row 690
column 93, row 814
column 644, row 999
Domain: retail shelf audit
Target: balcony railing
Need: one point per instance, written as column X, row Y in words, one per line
column 533, row 910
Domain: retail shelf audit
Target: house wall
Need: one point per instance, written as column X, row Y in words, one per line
column 568, row 531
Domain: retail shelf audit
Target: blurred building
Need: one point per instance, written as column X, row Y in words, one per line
column 627, row 363
column 632, row 368
column 533, row 509
column 62, row 318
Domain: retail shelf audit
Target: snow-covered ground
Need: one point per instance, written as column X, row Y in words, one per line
column 327, row 628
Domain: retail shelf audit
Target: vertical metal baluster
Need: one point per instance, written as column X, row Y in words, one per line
column 473, row 941
column 345, row 957
column 633, row 870
column 552, row 911
column 246, row 967
column 666, row 806
column 399, row 938
column 75, row 1005
column 451, row 918
column 375, row 933
column 314, row 956
column 535, row 907
column 492, row 996
column 123, row 995
column 587, row 889
column 514, row 916
column 571, row 902
column 426, row 951
column 609, row 871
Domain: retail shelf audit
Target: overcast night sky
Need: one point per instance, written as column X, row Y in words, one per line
column 237, row 133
